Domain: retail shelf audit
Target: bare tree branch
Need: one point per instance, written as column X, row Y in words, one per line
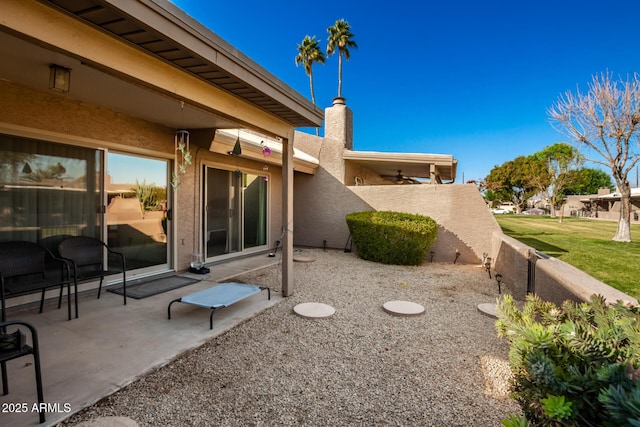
column 606, row 120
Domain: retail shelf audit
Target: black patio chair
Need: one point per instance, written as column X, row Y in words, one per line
column 14, row 345
column 87, row 256
column 26, row 267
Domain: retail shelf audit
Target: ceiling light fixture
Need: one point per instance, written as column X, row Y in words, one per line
column 59, row 78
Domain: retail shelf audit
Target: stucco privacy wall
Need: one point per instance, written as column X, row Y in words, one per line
column 321, row 203
column 466, row 225
column 553, row 280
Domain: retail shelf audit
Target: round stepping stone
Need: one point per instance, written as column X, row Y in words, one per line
column 314, row 310
column 303, row 258
column 488, row 309
column 109, row 422
column 403, row 308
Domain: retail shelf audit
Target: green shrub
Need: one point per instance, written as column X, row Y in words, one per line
column 392, row 237
column 576, row 365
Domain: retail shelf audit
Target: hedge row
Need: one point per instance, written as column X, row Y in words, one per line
column 392, row 237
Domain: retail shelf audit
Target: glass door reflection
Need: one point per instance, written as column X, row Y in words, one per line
column 137, row 222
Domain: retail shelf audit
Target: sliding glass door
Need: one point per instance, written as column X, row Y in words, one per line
column 235, row 211
column 255, row 211
column 49, row 191
column 137, row 221
column 220, row 224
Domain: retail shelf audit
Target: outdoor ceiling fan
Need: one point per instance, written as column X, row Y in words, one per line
column 400, row 179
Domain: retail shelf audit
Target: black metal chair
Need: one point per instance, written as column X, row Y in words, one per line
column 12, row 346
column 87, row 256
column 26, row 267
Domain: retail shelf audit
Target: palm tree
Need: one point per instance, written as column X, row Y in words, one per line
column 308, row 53
column 340, row 37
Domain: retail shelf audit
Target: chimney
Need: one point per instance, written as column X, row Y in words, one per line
column 339, row 123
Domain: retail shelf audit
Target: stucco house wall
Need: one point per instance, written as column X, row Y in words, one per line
column 189, row 203
column 49, row 112
column 610, row 209
column 129, row 97
column 322, row 201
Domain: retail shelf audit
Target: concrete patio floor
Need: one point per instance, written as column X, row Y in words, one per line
column 110, row 344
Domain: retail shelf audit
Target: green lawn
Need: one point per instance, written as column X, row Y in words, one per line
column 585, row 244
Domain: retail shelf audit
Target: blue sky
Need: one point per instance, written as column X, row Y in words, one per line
column 469, row 78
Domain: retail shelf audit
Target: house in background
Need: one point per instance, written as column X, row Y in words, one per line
column 604, row 205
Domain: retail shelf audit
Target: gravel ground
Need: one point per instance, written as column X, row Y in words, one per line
column 362, row 366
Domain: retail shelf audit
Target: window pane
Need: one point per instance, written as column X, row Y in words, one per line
column 217, row 211
column 255, row 211
column 47, row 190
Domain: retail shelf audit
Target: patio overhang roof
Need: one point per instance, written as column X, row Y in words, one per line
column 158, row 56
column 415, row 165
column 253, row 145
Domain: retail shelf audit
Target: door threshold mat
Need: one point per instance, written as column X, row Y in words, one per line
column 154, row 287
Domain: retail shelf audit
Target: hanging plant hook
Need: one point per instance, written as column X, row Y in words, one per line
column 182, row 157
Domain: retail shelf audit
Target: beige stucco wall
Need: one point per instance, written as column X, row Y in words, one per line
column 465, row 223
column 339, row 123
column 321, row 203
column 193, row 206
column 308, row 143
column 51, row 112
column 511, row 259
column 553, row 280
column 573, row 206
